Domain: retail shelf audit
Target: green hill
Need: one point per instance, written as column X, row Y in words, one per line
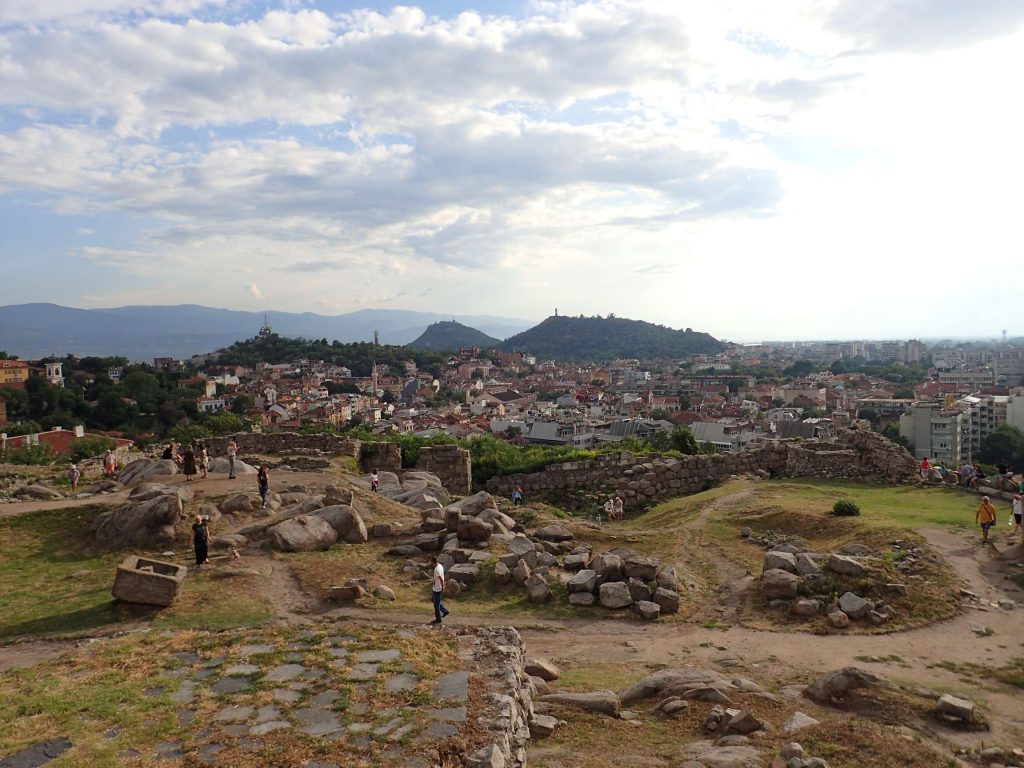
column 449, row 336
column 609, row 338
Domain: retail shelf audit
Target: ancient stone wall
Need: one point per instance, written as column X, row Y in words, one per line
column 451, row 464
column 498, row 656
column 383, row 456
column 646, row 480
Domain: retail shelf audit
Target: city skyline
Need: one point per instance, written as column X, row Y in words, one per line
column 784, row 174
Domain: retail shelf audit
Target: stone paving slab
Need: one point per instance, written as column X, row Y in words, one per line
column 452, row 688
column 379, row 657
column 362, row 672
column 284, row 673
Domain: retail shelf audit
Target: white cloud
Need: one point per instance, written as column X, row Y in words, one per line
column 630, row 153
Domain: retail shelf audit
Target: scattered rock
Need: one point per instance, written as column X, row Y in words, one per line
column 846, row 566
column 838, row 619
column 603, row 702
column 305, row 533
column 955, row 706
column 836, row 684
column 854, row 606
column 780, row 585
column 542, row 668
column 615, row 595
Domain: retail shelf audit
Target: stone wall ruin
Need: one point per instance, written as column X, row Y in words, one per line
column 643, row 480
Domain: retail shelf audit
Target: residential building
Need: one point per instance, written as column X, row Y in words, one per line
column 934, row 432
column 985, row 414
column 13, row 373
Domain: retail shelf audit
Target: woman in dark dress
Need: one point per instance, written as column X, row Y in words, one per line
column 263, row 483
column 188, row 467
column 201, row 540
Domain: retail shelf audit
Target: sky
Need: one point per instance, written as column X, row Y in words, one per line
column 793, row 169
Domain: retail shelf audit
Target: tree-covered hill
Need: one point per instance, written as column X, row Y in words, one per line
column 609, row 338
column 357, row 356
column 449, row 336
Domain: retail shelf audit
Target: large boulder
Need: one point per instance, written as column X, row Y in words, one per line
column 846, row 566
column 615, row 594
column 783, row 561
column 336, row 496
column 834, row 685
column 347, row 522
column 474, row 529
column 780, row 585
column 537, row 589
column 239, row 504
column 667, row 600
column 667, row 682
column 608, row 566
column 708, row 755
column 144, row 470
column 554, row 533
column 38, row 492
column 474, row 505
column 806, row 565
column 147, row 524
column 521, row 573
column 582, row 581
column 305, row 533
column 603, row 702
column 641, row 567
column 467, row 573
column 520, row 545
column 221, row 466
column 648, row 611
column 543, row 668
column 955, row 707
column 854, row 606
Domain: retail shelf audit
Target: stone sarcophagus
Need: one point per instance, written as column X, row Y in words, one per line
column 149, row 582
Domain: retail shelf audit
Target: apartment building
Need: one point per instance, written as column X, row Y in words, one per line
column 934, row 432
column 984, row 415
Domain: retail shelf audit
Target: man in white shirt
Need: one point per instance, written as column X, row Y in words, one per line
column 232, row 452
column 438, row 587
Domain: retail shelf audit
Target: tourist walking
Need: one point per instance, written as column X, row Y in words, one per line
column 204, row 460
column 517, row 497
column 374, row 481
column 925, row 466
column 263, row 483
column 232, row 452
column 73, row 477
column 109, row 463
column 188, row 464
column 609, row 509
column 201, row 539
column 437, row 588
column 618, row 508
column 1018, row 512
column 985, row 516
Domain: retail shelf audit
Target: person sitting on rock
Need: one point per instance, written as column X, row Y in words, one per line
column 517, row 496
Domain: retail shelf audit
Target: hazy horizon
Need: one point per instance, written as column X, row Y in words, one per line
column 787, row 171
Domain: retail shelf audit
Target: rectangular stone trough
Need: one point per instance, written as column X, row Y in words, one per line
column 149, row 582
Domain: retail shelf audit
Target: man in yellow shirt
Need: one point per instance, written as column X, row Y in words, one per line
column 985, row 516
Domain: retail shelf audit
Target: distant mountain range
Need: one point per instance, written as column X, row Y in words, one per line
column 449, row 336
column 144, row 332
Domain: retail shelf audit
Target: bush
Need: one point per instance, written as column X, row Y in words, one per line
column 31, row 454
column 845, row 508
column 90, row 447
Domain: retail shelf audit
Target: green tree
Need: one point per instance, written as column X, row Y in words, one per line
column 903, row 393
column 1005, row 445
column 684, row 401
column 892, row 432
column 682, row 440
column 241, row 404
column 800, row 368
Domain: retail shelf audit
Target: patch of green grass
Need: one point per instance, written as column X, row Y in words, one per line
column 881, row 505
column 52, row 580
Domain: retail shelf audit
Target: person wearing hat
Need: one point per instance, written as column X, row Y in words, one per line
column 74, row 475
column 985, row 516
column 201, row 540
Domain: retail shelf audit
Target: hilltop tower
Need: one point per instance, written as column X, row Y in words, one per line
column 266, row 330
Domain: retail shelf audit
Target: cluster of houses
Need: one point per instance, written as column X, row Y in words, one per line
column 970, row 392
